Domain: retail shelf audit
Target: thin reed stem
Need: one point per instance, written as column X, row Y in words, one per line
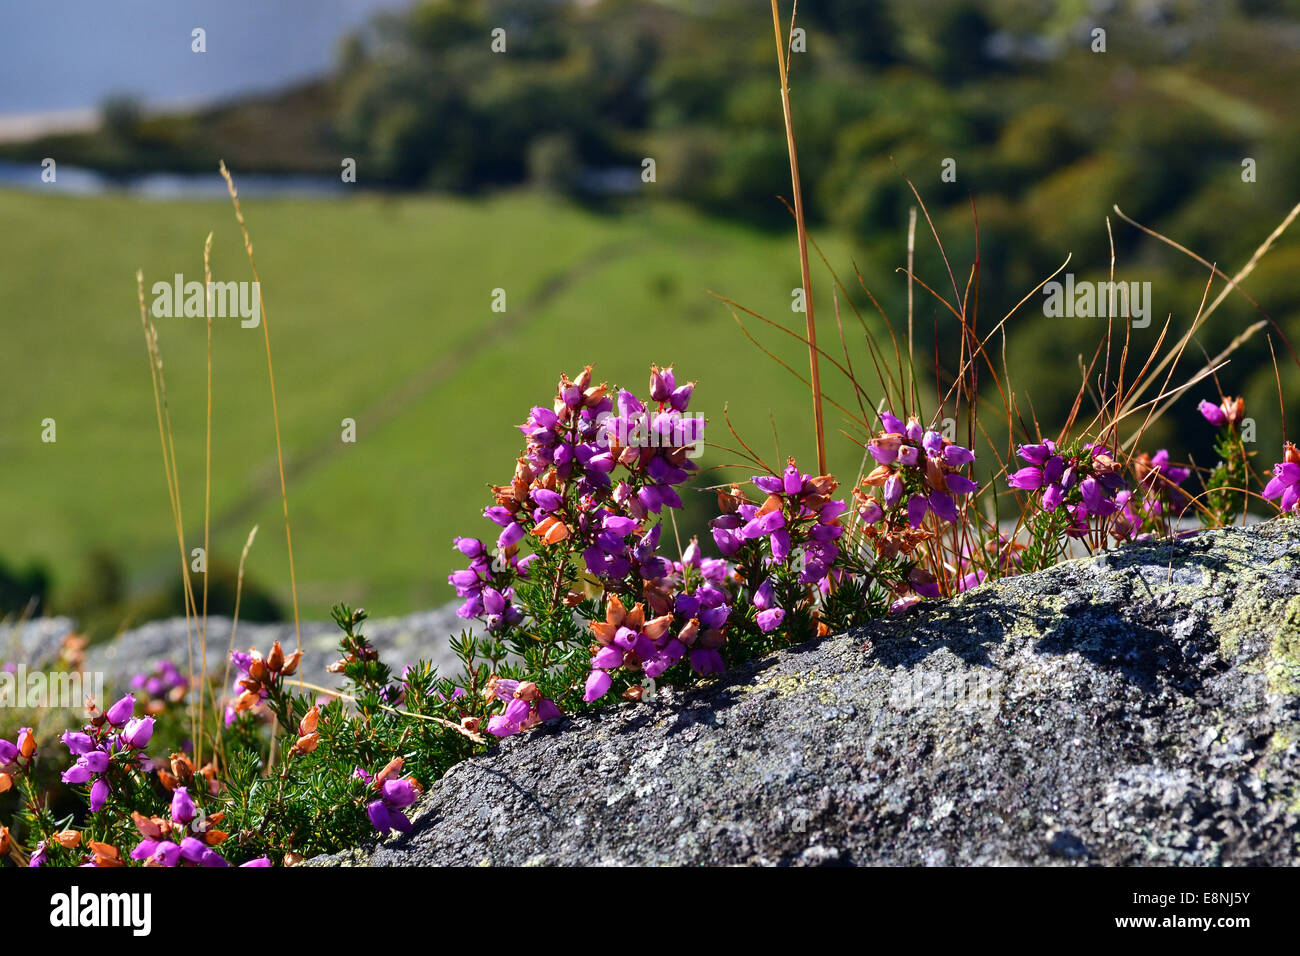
column 797, row 195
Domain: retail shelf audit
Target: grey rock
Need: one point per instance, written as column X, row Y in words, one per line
column 1142, row 707
column 36, row 642
column 400, row 641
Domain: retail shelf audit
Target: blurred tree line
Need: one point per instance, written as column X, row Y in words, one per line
column 1044, row 130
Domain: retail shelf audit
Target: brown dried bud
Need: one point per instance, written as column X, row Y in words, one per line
column 6, row 782
column 1290, row 453
column 149, row 828
column 308, row 723
column 1234, row 408
column 615, row 610
column 655, row 627
column 293, row 859
column 634, row 692
column 390, row 770
column 878, row 476
column 167, row 780
column 257, row 667
column 291, row 664
column 305, row 744
column 556, row 533
column 183, row 767
column 689, row 632
column 275, row 660
column 337, row 667
column 105, row 854
column 4, row 841
column 823, row 485
column 635, row 618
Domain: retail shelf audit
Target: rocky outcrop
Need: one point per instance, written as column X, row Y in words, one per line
column 1141, row 707
column 400, row 641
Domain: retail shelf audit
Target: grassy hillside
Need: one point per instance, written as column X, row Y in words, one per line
column 379, row 310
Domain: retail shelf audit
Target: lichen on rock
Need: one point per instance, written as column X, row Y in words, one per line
column 1139, row 707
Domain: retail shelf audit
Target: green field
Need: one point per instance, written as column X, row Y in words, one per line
column 379, row 310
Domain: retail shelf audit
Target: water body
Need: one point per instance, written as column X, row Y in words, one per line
column 74, row 181
column 73, row 54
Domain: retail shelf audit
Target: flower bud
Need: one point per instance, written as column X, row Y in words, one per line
column 308, row 723
column 275, row 660
column 257, row 667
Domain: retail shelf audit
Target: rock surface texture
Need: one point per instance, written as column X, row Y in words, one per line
column 1142, row 707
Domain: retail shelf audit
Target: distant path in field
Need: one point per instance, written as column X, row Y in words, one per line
column 396, row 401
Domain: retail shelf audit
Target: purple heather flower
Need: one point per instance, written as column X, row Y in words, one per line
column 1213, row 414
column 38, row 855
column 192, row 849
column 547, row 500
column 1095, row 498
column 957, row 456
column 905, row 603
column 770, row 619
column 764, row 525
column 681, row 397
column 96, row 761
column 182, row 806
column 76, row 742
column 161, row 852
column 1173, row 473
column 662, row 383
column 706, row 661
column 470, row 547
column 960, row 484
column 386, row 814
column 121, row 711
column 98, row 795
column 77, row 773
column 259, row 862
column 1029, row 478
column 893, row 490
column 137, row 732
column 1285, row 484
column 598, row 684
